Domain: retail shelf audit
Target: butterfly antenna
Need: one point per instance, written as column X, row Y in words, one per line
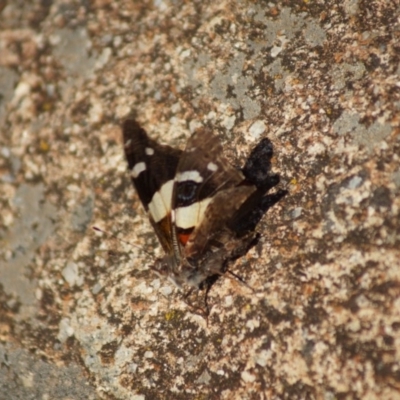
column 123, row 241
column 236, row 277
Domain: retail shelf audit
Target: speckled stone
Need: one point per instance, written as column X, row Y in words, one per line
column 320, row 79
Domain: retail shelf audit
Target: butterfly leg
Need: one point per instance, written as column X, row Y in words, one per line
column 199, row 310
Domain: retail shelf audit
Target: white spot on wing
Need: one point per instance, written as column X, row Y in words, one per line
column 191, row 216
column 138, row 169
column 128, row 142
column 160, row 204
column 189, row 176
column 212, row 167
column 149, row 151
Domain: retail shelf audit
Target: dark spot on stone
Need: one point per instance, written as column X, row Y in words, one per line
column 230, row 92
column 107, row 352
column 381, row 198
column 372, row 63
column 307, row 351
column 385, row 287
column 396, row 326
column 314, row 314
column 388, row 340
column 298, row 390
column 126, row 329
column 351, row 304
column 114, row 318
column 275, row 317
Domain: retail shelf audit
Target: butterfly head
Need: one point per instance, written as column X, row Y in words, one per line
column 180, row 273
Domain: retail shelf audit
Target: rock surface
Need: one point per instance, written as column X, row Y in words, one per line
column 82, row 316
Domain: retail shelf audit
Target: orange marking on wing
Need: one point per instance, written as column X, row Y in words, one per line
column 183, row 238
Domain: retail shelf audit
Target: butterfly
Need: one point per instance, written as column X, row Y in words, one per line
column 204, row 211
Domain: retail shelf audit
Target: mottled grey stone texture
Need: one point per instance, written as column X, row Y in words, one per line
column 83, row 316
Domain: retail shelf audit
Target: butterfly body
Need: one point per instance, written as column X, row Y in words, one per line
column 202, row 209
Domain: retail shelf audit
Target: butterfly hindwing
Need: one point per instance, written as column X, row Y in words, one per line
column 206, row 192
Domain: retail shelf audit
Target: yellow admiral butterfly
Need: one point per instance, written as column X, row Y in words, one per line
column 203, row 210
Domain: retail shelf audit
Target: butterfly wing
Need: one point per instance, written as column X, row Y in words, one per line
column 207, row 191
column 152, row 169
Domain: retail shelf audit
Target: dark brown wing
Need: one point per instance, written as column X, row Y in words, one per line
column 207, row 192
column 152, row 168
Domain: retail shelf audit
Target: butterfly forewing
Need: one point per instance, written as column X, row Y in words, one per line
column 152, row 169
